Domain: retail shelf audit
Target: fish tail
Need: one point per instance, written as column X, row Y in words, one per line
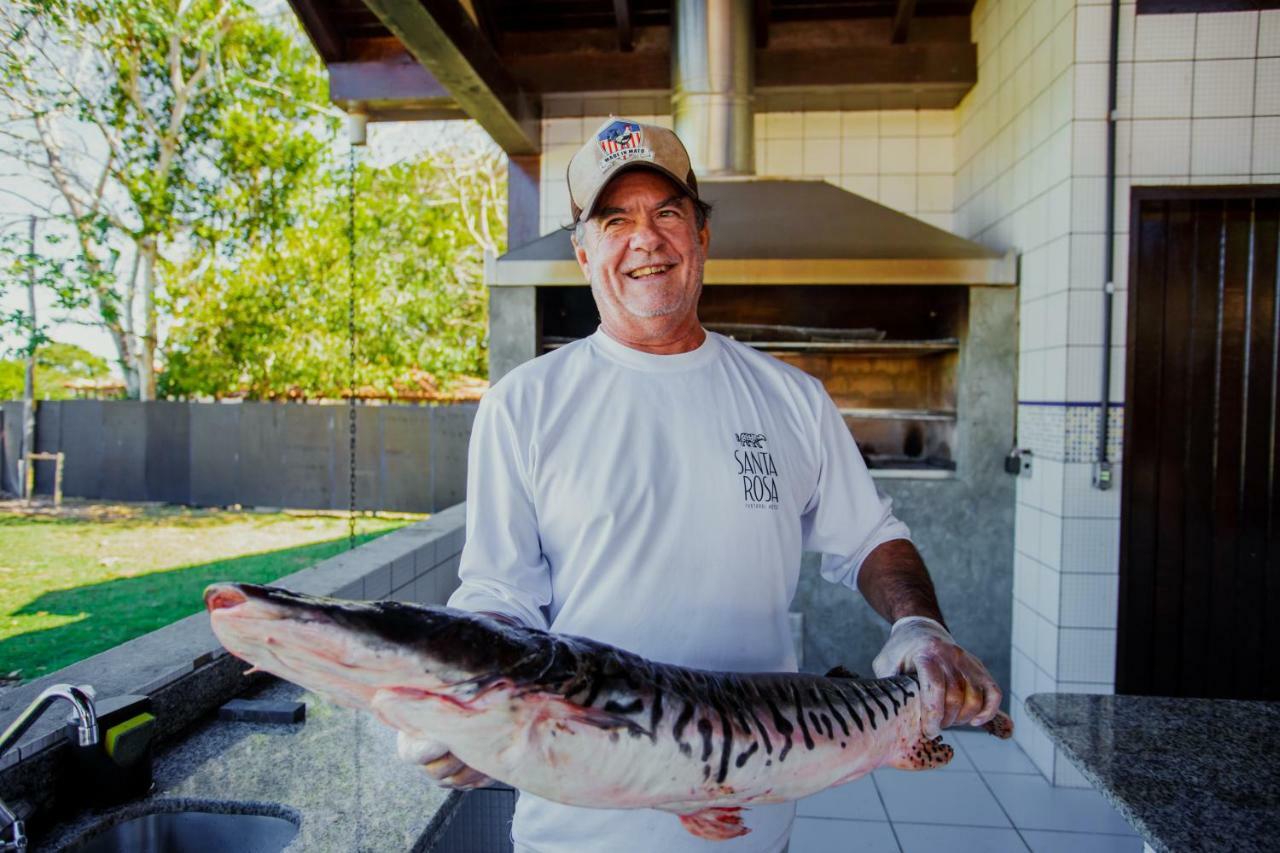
column 925, row 754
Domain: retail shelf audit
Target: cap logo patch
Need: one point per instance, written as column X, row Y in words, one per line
column 621, row 141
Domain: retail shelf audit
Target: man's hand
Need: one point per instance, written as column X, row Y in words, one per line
column 439, row 763
column 955, row 687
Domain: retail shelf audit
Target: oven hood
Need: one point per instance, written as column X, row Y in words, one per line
column 767, row 231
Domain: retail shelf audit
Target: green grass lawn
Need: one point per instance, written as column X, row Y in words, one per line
column 74, row 585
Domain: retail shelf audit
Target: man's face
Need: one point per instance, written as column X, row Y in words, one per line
column 643, row 254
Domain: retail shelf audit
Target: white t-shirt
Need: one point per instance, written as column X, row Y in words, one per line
column 661, row 503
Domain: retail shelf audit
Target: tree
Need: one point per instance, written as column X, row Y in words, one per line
column 271, row 321
column 149, row 120
column 56, row 364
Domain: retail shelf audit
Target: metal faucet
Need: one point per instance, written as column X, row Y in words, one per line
column 81, row 699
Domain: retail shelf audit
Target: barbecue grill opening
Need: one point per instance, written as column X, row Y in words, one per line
column 888, row 356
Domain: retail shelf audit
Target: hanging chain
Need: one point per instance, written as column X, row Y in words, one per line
column 351, row 338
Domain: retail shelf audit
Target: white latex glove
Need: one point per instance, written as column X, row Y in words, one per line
column 955, row 687
column 439, row 763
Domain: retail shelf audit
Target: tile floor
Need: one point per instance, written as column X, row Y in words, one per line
column 989, row 799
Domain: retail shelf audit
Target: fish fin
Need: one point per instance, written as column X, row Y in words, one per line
column 596, row 717
column 719, row 823
column 926, row 753
column 1000, row 725
column 839, row 671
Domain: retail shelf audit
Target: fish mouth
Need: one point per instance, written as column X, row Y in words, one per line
column 309, row 641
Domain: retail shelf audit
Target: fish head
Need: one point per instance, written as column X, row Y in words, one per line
column 347, row 650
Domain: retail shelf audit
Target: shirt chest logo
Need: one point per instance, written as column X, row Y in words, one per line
column 757, row 470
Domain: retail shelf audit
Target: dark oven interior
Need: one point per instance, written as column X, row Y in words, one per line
column 889, row 356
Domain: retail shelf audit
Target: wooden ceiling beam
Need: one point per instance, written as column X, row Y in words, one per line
column 315, row 20
column 902, row 20
column 622, row 12
column 443, row 38
column 391, row 87
column 761, row 23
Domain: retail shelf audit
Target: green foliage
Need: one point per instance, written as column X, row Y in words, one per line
column 186, row 113
column 55, row 364
column 272, row 321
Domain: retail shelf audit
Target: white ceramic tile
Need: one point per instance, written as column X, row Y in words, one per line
column 1086, row 654
column 1048, row 594
column 1082, row 500
column 860, row 156
column 1089, row 147
column 938, row 219
column 992, row 755
column 857, row 800
column 923, row 838
column 1266, row 145
column 1024, row 629
column 784, row 157
column 1267, row 93
column 1036, row 744
column 1050, row 541
column 1026, row 576
column 1093, row 34
column 860, row 124
column 1099, row 688
column 1046, row 657
column 954, row 798
column 1226, row 35
column 897, row 155
column 1051, row 473
column 1162, row 89
column 597, row 108
column 1164, row 37
column 820, row 835
column 1085, row 308
column 1065, row 774
column 1089, row 92
column 1054, row 386
column 936, row 123
column 1269, row 33
column 1161, row 148
column 1223, row 87
column 898, row 123
column 1055, row 320
column 867, row 186
column 821, row 125
column 934, row 192
column 1091, row 545
column 1035, row 804
column 1045, row 841
column 821, row 157
column 788, row 125
column 1088, row 204
column 898, row 192
column 936, row 155
column 562, row 130
column 1089, row 601
column 1221, row 146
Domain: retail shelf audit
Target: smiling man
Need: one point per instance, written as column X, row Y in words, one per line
column 654, row 485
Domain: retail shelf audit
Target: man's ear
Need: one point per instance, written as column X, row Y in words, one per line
column 704, row 235
column 580, row 254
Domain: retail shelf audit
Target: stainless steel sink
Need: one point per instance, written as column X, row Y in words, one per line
column 193, row 832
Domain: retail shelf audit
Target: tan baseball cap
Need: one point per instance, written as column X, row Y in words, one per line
column 620, row 145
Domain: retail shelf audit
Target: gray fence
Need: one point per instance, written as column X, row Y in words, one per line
column 408, row 458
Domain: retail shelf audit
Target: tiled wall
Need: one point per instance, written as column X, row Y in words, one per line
column 1198, row 99
column 904, row 159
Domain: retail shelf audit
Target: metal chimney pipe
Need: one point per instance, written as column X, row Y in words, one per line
column 713, row 84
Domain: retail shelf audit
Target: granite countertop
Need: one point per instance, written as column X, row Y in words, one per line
column 336, row 775
column 1188, row 774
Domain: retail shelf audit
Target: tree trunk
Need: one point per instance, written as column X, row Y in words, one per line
column 146, row 352
column 29, row 381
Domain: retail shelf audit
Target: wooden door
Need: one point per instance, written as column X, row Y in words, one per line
column 1200, row 516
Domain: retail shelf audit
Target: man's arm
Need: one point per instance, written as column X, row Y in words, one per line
column 956, row 686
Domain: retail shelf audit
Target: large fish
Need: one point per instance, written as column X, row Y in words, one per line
column 581, row 722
